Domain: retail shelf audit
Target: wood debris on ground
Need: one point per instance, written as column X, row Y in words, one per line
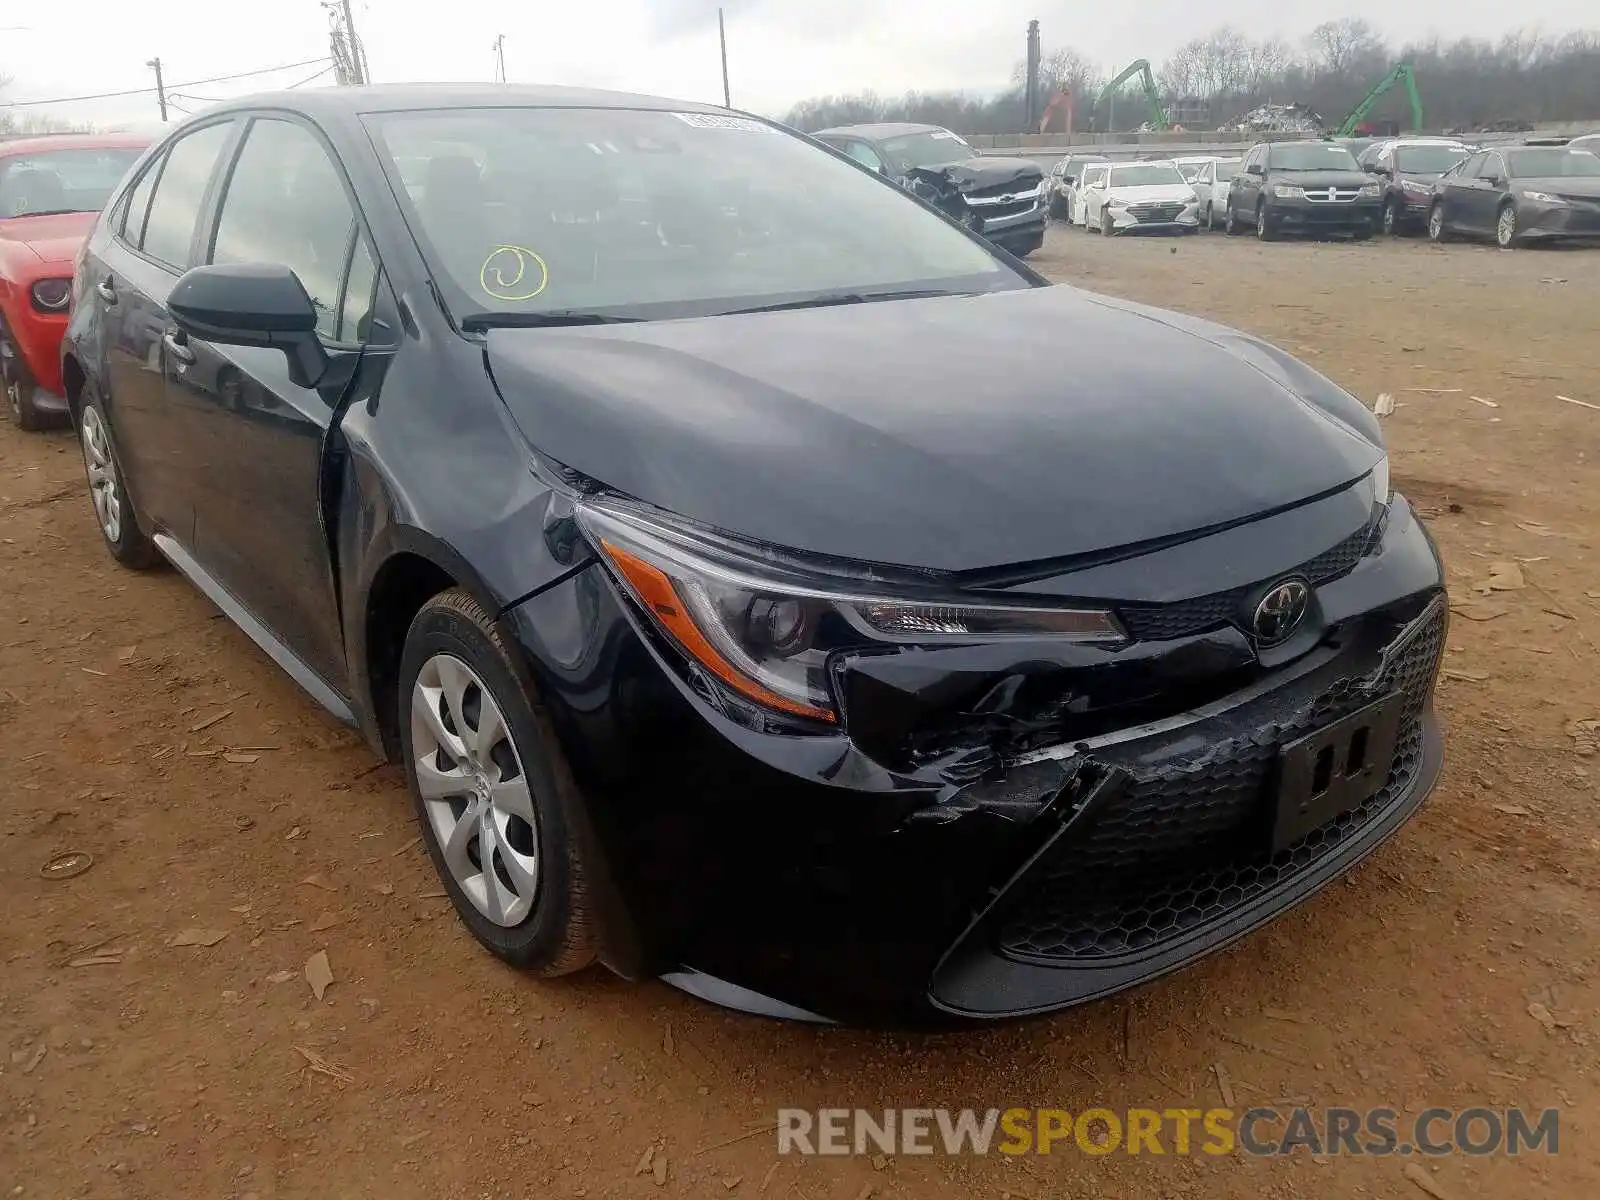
column 1384, row 406
column 212, row 720
column 318, row 973
column 1224, row 1084
column 1418, row 1174
column 197, row 937
column 322, row 1066
column 1579, row 403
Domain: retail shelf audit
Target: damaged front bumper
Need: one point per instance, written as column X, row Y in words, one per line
column 999, row 833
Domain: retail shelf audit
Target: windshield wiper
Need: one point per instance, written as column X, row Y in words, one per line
column 832, row 299
column 478, row 322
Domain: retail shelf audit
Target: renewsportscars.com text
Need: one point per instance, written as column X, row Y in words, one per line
column 1260, row 1132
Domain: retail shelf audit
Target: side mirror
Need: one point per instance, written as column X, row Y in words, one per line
column 1255, row 169
column 1072, row 179
column 252, row 304
column 1493, row 180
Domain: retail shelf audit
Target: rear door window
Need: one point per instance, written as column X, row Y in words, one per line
column 138, row 205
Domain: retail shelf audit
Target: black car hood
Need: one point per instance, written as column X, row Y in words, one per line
column 945, row 434
column 1321, row 179
column 1562, row 185
column 980, row 174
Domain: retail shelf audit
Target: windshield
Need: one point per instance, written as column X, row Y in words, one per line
column 58, row 181
column 656, row 214
column 1144, row 174
column 1552, row 163
column 1312, row 156
column 1227, row 168
column 1428, row 159
column 932, row 149
column 1190, row 169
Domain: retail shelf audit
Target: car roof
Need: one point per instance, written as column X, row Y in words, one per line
column 378, row 98
column 884, row 129
column 75, row 141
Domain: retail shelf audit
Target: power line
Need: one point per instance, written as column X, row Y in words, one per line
column 309, row 78
column 174, row 87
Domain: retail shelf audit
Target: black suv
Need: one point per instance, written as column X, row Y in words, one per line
column 1005, row 199
column 1303, row 187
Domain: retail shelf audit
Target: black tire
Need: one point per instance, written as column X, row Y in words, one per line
column 1501, row 238
column 1057, row 210
column 1265, row 232
column 1391, row 218
column 557, row 937
column 1230, row 222
column 18, row 383
column 1211, row 221
column 1438, row 231
column 1108, row 227
column 129, row 544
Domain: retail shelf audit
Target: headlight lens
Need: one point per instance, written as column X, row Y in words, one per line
column 1543, row 198
column 52, row 295
column 1370, row 190
column 1412, row 188
column 767, row 633
column 1286, row 191
column 1381, row 487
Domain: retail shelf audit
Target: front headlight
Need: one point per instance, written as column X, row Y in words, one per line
column 765, row 629
column 1370, row 191
column 1285, row 191
column 1542, row 198
column 1381, row 487
column 1412, row 188
column 52, row 295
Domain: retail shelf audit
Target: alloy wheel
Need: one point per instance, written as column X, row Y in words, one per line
column 1390, row 219
column 10, row 375
column 1505, row 228
column 1436, row 223
column 102, row 469
column 475, row 794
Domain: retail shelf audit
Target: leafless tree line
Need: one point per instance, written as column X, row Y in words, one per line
column 1465, row 82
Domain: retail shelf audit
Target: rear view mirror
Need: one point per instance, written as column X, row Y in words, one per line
column 252, row 304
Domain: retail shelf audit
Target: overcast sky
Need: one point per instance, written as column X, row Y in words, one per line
column 779, row 51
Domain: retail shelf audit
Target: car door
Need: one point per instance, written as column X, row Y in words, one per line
column 1091, row 196
column 260, row 437
column 1247, row 186
column 1493, row 184
column 151, row 247
column 1454, row 193
column 1202, row 182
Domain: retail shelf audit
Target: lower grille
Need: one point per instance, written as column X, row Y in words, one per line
column 1154, row 622
column 1153, row 213
column 1186, row 844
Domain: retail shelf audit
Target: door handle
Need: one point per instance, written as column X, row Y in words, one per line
column 107, row 290
column 177, row 344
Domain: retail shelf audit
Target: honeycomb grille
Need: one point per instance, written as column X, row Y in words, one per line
column 1156, row 622
column 1186, row 844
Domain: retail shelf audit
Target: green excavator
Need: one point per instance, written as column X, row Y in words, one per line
column 1141, row 67
column 1404, row 73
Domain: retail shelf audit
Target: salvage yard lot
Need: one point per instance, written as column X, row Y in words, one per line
column 1457, row 966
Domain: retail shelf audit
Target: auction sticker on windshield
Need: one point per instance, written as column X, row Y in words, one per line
column 718, row 121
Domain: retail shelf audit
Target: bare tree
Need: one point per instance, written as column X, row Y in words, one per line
column 1337, row 46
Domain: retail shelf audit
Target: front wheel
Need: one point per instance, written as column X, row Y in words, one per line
column 1265, row 232
column 1391, row 218
column 500, row 812
column 1107, row 225
column 1211, row 220
column 1505, row 227
column 113, row 511
column 1437, row 230
column 19, row 386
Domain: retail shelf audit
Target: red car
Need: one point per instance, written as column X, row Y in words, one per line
column 51, row 188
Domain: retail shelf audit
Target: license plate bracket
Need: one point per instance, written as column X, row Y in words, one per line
column 1332, row 770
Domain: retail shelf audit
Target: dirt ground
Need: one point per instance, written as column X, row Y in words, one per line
column 139, row 726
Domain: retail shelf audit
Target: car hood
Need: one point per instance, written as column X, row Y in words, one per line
column 934, row 433
column 1562, row 185
column 1148, row 192
column 1322, row 179
column 1419, row 176
column 980, row 174
column 55, row 238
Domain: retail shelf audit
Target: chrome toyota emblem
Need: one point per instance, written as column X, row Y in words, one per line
column 1280, row 611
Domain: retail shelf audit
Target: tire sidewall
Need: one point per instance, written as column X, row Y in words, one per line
column 1436, row 230
column 1499, row 216
column 544, row 936
column 131, row 548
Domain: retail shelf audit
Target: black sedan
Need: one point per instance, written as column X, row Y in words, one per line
column 1519, row 194
column 705, row 527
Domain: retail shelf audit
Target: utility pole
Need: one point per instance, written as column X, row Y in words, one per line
column 161, row 87
column 722, row 36
column 358, row 57
column 1032, row 97
column 500, row 58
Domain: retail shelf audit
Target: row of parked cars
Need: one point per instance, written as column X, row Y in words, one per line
column 1541, row 189
column 703, row 526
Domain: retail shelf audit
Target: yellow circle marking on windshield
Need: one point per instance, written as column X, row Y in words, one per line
column 505, row 274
